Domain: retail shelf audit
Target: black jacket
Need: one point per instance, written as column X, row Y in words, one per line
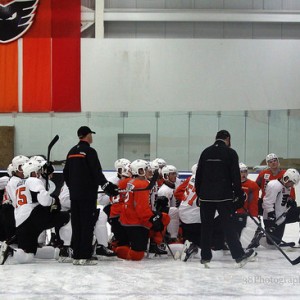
column 83, row 171
column 218, row 174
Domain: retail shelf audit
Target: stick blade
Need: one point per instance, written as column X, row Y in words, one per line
column 296, row 261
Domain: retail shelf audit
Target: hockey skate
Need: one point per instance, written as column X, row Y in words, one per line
column 5, row 252
column 157, row 250
column 104, row 251
column 65, row 255
column 188, row 251
column 248, row 256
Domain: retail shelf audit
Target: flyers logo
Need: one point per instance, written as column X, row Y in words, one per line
column 16, row 17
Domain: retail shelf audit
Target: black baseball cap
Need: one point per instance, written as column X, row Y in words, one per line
column 222, row 135
column 83, row 131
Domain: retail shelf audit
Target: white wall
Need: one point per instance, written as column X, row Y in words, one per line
column 189, row 74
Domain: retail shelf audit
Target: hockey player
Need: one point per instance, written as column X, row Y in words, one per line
column 246, row 225
column 273, row 172
column 189, row 215
column 161, row 163
column 137, row 216
column 105, row 202
column 33, row 214
column 279, row 207
column 10, row 193
column 156, row 245
column 119, row 232
column 166, row 201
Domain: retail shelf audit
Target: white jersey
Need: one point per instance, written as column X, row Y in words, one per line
column 3, row 182
column 153, row 196
column 64, row 198
column 189, row 212
column 11, row 188
column 168, row 192
column 28, row 196
column 275, row 199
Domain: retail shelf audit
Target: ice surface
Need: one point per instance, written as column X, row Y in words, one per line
column 271, row 276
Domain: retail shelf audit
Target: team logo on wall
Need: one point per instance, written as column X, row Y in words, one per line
column 16, row 17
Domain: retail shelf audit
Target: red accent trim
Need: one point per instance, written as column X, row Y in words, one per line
column 76, row 155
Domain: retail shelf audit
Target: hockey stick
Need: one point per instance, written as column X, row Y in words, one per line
column 170, row 250
column 147, row 188
column 50, row 146
column 293, row 262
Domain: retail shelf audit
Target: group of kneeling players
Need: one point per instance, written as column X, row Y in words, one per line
column 165, row 209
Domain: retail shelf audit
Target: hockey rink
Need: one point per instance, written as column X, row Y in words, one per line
column 270, row 276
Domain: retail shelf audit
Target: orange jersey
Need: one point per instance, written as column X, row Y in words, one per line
column 180, row 191
column 136, row 209
column 265, row 176
column 251, row 189
column 117, row 202
column 160, row 182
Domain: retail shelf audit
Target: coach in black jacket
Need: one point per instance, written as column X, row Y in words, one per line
column 218, row 187
column 83, row 175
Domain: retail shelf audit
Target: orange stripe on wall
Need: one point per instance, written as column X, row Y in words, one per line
column 66, row 55
column 9, row 77
column 37, row 75
column 37, row 62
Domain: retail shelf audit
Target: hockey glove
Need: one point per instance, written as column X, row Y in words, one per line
column 291, row 203
column 156, row 221
column 270, row 222
column 110, row 189
column 238, row 202
column 48, row 168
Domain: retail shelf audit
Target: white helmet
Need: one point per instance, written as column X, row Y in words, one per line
column 271, row 156
column 31, row 166
column 161, row 162
column 10, row 170
column 39, row 158
column 126, row 171
column 194, row 169
column 119, row 163
column 138, row 167
column 167, row 170
column 154, row 165
column 243, row 167
column 18, row 161
column 291, row 175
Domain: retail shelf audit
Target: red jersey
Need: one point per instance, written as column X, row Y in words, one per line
column 136, row 209
column 117, row 202
column 251, row 189
column 265, row 176
column 180, row 191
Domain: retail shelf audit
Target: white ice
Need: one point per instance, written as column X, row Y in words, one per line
column 271, row 276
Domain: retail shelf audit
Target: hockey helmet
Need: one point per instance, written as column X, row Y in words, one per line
column 167, row 170
column 139, row 167
column 30, row 167
column 291, row 175
column 18, row 161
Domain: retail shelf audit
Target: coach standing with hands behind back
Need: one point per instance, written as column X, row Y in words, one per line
column 83, row 175
column 218, row 187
